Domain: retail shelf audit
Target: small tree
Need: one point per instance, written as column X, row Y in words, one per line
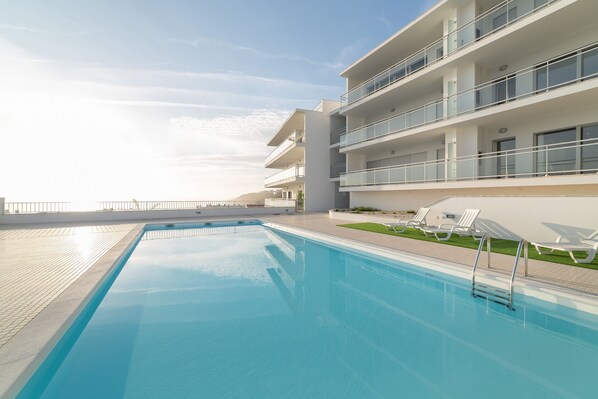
column 300, row 199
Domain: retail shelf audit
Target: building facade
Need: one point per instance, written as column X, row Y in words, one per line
column 475, row 97
column 307, row 155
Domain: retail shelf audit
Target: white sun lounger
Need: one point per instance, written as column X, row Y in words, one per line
column 589, row 245
column 418, row 221
column 464, row 227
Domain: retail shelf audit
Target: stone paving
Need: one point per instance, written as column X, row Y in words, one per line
column 38, row 264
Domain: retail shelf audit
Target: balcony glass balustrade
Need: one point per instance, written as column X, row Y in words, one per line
column 287, row 175
column 574, row 157
column 335, row 136
column 500, row 16
column 573, row 67
column 298, row 136
column 337, row 169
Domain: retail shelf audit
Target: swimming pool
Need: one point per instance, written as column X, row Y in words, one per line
column 230, row 310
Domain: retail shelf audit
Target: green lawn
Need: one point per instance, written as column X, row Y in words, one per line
column 506, row 247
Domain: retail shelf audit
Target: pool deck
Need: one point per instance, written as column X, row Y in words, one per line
column 48, row 272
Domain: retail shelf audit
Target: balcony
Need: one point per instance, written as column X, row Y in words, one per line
column 572, row 67
column 293, row 174
column 574, row 157
column 284, row 154
column 495, row 19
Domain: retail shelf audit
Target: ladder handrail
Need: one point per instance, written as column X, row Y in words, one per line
column 477, row 257
column 523, row 245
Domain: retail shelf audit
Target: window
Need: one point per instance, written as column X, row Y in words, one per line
column 397, row 161
column 562, row 71
column 589, row 150
column 504, row 89
column 541, row 77
column 554, row 156
column 538, row 3
column 415, row 65
column 505, row 161
column 589, row 63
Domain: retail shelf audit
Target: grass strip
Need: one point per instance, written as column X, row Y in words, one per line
column 499, row 246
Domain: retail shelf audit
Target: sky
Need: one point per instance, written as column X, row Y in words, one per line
column 167, row 100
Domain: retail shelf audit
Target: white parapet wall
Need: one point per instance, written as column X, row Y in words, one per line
column 112, row 216
column 533, row 218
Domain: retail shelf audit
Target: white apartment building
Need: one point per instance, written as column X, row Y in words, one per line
column 475, row 97
column 306, row 149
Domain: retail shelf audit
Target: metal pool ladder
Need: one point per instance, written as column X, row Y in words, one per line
column 504, row 296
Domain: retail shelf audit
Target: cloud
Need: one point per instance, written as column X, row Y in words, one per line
column 386, row 23
column 255, row 126
column 21, row 28
column 226, row 146
column 258, row 53
column 352, row 52
column 427, row 4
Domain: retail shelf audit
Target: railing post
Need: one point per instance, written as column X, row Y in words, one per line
column 525, row 256
column 489, row 248
column 2, row 202
column 546, row 162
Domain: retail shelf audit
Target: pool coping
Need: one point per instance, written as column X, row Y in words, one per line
column 523, row 286
column 26, row 350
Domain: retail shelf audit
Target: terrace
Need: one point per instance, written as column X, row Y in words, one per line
column 48, row 271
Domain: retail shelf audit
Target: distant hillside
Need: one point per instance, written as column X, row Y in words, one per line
column 259, row 197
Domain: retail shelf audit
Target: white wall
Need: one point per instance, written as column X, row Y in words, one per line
column 319, row 190
column 531, row 218
column 414, row 199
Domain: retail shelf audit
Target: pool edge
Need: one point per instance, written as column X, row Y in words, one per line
column 523, row 286
column 57, row 318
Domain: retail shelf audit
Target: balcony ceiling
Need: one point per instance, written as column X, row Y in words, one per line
column 296, row 121
column 291, row 184
column 413, row 37
column 294, row 155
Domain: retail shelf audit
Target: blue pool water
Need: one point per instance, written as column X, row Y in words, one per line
column 251, row 312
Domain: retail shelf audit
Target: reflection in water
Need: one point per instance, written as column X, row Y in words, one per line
column 408, row 331
column 258, row 313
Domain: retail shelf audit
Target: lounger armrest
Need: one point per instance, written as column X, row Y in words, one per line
column 447, row 226
column 566, row 239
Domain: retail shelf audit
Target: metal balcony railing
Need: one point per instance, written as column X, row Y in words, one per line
column 298, row 136
column 287, row 175
column 574, row 157
column 491, row 21
column 107, row 206
column 572, row 67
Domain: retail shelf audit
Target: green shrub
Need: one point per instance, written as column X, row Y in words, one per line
column 364, row 209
